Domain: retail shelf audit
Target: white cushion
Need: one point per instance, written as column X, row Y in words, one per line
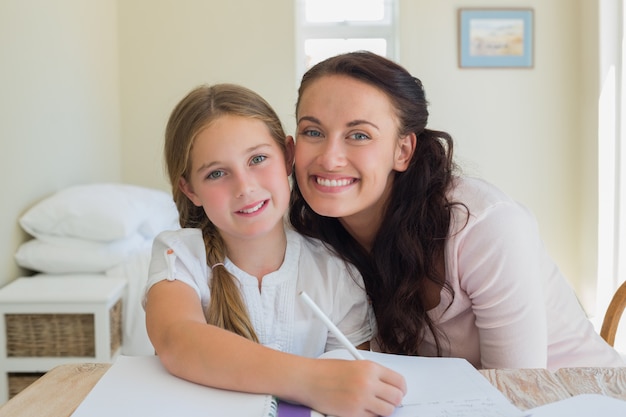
column 66, row 255
column 102, row 212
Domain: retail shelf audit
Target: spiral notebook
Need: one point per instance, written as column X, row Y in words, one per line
column 141, row 386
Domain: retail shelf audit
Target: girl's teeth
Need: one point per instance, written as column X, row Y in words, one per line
column 253, row 209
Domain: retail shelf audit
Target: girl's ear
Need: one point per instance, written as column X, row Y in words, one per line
column 186, row 188
column 404, row 152
column 290, row 153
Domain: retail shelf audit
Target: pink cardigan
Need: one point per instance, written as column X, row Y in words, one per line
column 512, row 307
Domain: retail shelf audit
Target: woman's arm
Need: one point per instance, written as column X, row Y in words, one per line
column 500, row 269
column 191, row 349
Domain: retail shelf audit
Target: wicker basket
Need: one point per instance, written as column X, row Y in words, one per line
column 20, row 380
column 58, row 335
column 116, row 326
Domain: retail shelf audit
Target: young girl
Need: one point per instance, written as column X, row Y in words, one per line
column 453, row 266
column 221, row 305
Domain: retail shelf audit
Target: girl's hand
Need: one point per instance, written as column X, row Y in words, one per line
column 351, row 388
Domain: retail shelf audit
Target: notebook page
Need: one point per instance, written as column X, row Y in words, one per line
column 141, row 386
column 441, row 386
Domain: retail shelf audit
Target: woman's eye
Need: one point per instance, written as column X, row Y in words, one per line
column 215, row 175
column 359, row 136
column 258, row 159
column 312, row 133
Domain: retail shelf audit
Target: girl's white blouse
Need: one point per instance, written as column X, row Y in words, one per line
column 280, row 318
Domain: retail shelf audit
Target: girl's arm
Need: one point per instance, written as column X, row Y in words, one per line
column 191, row 349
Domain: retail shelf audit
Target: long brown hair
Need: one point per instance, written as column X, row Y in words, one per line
column 409, row 245
column 194, row 113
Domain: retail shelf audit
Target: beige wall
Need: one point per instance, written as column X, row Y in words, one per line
column 169, row 47
column 59, row 105
column 531, row 132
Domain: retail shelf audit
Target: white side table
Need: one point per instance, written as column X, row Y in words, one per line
column 50, row 321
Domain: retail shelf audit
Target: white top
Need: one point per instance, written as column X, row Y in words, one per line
column 512, row 307
column 281, row 320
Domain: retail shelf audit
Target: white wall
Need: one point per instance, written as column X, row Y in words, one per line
column 59, row 105
column 530, row 131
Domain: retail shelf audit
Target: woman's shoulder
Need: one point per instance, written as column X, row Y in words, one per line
column 482, row 199
column 476, row 192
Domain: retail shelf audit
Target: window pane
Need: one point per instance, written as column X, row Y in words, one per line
column 319, row 11
column 317, row 50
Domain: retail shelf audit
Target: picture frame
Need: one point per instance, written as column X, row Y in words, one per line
column 496, row 38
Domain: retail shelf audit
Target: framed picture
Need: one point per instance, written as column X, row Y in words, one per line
column 495, row 38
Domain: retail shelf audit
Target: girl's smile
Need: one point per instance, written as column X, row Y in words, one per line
column 253, row 209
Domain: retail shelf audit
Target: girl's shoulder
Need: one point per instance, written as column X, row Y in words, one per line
column 179, row 233
column 315, row 253
column 187, row 241
column 307, row 245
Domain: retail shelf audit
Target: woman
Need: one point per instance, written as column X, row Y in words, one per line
column 452, row 265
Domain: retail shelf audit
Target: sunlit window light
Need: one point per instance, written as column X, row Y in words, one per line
column 317, row 50
column 326, row 28
column 346, row 10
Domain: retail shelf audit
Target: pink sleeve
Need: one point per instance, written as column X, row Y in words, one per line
column 499, row 265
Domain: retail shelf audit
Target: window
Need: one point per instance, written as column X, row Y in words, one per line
column 611, row 160
column 329, row 27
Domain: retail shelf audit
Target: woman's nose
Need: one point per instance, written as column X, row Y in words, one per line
column 332, row 155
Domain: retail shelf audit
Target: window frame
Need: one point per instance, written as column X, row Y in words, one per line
column 387, row 29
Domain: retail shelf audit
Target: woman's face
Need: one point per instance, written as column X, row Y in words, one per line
column 348, row 148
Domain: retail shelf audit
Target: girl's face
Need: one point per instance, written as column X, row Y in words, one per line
column 239, row 176
column 347, row 149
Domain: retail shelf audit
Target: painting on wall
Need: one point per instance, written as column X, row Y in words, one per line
column 495, row 38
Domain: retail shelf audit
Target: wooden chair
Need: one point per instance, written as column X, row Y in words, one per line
column 613, row 314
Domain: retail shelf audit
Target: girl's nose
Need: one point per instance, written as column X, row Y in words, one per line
column 245, row 185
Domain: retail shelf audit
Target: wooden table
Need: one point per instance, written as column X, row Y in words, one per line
column 61, row 390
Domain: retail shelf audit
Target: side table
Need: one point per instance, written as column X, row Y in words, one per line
column 50, row 321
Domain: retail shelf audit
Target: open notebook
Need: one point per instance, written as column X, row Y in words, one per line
column 140, row 385
column 441, row 387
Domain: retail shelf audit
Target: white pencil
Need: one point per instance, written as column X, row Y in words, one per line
column 331, row 326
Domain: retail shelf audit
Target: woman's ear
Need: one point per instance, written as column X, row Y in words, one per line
column 186, row 188
column 290, row 153
column 404, row 152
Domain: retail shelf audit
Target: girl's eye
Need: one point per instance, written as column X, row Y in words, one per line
column 258, row 159
column 213, row 175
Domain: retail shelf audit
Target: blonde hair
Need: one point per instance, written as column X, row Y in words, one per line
column 193, row 113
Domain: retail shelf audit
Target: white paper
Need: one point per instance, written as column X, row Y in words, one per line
column 141, row 386
column 584, row 405
column 438, row 387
